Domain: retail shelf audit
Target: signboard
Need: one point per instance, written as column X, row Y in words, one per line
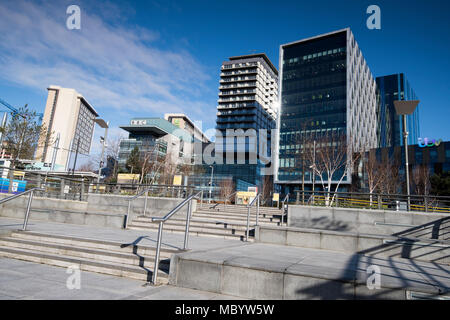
column 276, row 197
column 17, row 187
column 245, row 197
column 176, row 122
column 425, row 142
column 138, row 122
column 127, row 178
column 177, row 180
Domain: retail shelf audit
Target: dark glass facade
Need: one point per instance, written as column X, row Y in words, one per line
column 391, row 88
column 313, row 97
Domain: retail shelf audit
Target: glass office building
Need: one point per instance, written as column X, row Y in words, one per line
column 435, row 159
column 390, row 127
column 326, row 88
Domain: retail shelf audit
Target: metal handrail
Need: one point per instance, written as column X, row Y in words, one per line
column 131, row 199
column 249, row 206
column 161, row 221
column 379, row 199
column 284, row 209
column 30, row 199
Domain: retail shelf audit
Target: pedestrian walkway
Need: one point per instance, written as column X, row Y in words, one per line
column 30, row 281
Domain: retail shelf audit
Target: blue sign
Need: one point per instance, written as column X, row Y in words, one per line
column 17, row 187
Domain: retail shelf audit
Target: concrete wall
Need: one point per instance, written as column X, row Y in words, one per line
column 99, row 210
column 368, row 221
column 437, row 251
column 238, row 276
column 156, row 206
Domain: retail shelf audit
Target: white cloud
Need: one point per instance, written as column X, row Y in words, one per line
column 117, row 68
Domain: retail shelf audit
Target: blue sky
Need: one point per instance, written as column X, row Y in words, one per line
column 145, row 58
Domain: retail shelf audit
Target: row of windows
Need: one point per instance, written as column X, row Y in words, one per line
column 314, row 70
column 314, row 108
column 315, row 96
column 297, row 60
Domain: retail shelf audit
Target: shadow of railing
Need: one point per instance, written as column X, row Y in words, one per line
column 400, row 274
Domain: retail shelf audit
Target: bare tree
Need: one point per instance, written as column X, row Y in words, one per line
column 151, row 162
column 421, row 179
column 392, row 181
column 332, row 160
column 302, row 160
column 22, row 136
column 226, row 188
column 267, row 189
column 87, row 166
column 375, row 172
column 112, row 150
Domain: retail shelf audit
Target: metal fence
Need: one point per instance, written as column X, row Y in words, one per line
column 78, row 187
column 395, row 202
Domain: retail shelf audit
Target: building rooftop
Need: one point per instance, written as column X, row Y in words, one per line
column 157, row 126
column 315, row 37
column 79, row 95
column 256, row 55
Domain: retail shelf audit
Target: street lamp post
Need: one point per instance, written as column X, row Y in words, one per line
column 210, row 184
column 104, row 125
column 404, row 108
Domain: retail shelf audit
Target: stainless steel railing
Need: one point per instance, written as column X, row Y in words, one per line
column 249, row 206
column 30, row 200
column 161, row 221
column 285, row 204
column 130, row 200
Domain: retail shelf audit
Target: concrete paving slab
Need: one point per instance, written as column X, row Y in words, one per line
column 313, row 273
column 23, row 283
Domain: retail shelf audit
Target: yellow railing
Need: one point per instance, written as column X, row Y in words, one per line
column 366, row 203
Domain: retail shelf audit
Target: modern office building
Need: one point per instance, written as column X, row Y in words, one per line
column 165, row 141
column 424, row 161
column 326, row 88
column 184, row 122
column 390, row 128
column 248, row 93
column 69, row 119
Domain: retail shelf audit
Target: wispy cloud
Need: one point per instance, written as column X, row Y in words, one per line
column 118, row 66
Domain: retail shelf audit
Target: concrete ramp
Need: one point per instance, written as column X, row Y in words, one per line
column 265, row 271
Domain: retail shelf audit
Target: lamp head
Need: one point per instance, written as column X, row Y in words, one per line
column 405, row 107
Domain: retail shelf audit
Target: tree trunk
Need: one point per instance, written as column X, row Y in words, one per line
column 11, row 175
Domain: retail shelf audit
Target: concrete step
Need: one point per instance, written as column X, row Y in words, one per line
column 109, row 257
column 88, row 243
column 116, row 269
column 192, row 229
column 236, row 217
column 91, row 254
column 199, row 222
column 239, row 210
column 252, row 212
column 195, row 231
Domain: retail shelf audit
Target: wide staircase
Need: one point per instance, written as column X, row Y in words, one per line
column 216, row 220
column 108, row 257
